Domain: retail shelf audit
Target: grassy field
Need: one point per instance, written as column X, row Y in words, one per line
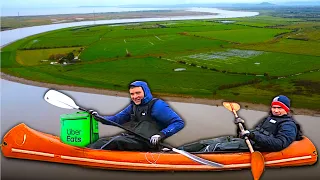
column 245, row 35
column 243, row 59
column 256, row 62
column 161, row 45
column 289, row 46
column 116, row 75
column 37, row 57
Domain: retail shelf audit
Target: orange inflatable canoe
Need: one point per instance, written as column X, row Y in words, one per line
column 25, row 143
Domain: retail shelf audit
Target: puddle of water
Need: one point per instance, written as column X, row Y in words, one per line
column 227, row 22
column 226, row 54
column 180, row 69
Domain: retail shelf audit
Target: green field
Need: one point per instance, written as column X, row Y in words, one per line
column 256, row 62
column 36, row 57
column 162, row 45
column 289, row 46
column 245, row 35
column 248, row 59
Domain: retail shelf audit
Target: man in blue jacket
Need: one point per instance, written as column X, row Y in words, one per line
column 146, row 116
column 274, row 133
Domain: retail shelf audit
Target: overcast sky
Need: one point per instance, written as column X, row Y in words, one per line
column 75, row 3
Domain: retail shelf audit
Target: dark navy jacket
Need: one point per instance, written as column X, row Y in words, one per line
column 169, row 121
column 285, row 131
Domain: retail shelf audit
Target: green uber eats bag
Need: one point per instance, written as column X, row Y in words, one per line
column 78, row 129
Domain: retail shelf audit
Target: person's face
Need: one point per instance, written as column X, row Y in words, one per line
column 136, row 94
column 278, row 110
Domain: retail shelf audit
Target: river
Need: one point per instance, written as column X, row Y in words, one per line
column 68, row 10
column 24, row 103
column 12, row 35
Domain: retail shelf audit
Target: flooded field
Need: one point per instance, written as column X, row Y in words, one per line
column 225, row 55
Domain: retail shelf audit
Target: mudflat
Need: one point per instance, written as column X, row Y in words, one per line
column 12, row 22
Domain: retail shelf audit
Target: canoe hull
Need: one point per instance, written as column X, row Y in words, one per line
column 23, row 142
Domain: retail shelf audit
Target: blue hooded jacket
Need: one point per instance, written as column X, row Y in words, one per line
column 169, row 121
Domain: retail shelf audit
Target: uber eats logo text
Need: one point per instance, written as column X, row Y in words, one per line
column 73, row 135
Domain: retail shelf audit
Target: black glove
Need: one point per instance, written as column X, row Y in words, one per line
column 246, row 133
column 155, row 139
column 238, row 120
column 93, row 112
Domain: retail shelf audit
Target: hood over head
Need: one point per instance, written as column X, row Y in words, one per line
column 147, row 93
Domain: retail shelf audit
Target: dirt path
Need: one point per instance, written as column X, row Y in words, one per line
column 186, row 99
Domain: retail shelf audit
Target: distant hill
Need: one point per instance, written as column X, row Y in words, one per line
column 217, row 5
column 300, row 3
column 207, row 5
column 221, row 5
column 266, row 4
column 94, row 6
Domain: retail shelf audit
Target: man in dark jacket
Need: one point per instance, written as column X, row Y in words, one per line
column 274, row 133
column 146, row 116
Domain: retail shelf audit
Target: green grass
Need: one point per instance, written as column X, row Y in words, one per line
column 84, row 31
column 275, row 64
column 212, row 27
column 128, row 31
column 34, row 57
column 248, row 46
column 166, row 45
column 303, row 90
column 309, row 35
column 6, row 59
column 301, row 25
column 159, row 73
column 289, row 46
column 310, row 76
column 256, row 24
column 249, row 94
column 267, row 19
column 53, row 42
column 68, row 37
column 250, row 35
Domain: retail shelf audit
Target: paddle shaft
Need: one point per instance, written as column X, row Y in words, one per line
column 242, row 130
column 257, row 160
column 122, row 127
column 61, row 100
column 191, row 156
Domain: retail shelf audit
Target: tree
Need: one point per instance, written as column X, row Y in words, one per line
column 70, row 56
column 61, row 61
column 52, row 57
column 59, row 56
column 266, row 75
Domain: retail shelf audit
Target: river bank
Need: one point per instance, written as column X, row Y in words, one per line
column 12, row 22
column 167, row 97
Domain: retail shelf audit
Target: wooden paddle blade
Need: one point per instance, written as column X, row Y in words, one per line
column 231, row 106
column 257, row 165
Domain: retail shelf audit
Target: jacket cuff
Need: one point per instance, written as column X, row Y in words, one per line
column 252, row 136
column 162, row 135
